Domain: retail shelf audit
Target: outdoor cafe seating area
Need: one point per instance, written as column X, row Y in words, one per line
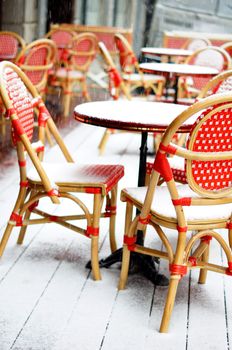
column 131, row 152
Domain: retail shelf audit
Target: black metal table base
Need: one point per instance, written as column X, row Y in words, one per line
column 139, row 263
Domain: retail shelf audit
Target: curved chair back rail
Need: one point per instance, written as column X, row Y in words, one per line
column 210, row 56
column 37, row 59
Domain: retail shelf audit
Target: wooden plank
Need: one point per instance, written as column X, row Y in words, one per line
column 207, row 312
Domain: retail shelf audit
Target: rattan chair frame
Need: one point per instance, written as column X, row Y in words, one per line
column 183, row 84
column 68, row 81
column 115, row 90
column 31, row 191
column 26, row 53
column 154, row 84
column 181, row 259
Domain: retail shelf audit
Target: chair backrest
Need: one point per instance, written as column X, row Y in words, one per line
column 20, row 97
column 62, row 37
column 36, row 60
column 227, row 47
column 210, row 56
column 83, row 51
column 208, row 156
column 10, row 45
column 218, row 84
column 115, row 80
column 194, row 44
column 127, row 58
column 212, row 132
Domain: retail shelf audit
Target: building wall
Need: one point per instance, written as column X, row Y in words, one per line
column 28, row 17
column 20, row 16
column 211, row 16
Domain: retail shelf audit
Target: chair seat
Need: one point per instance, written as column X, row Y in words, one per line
column 80, row 176
column 163, row 208
column 146, row 77
column 63, row 73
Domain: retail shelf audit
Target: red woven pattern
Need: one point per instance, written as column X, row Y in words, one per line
column 85, row 45
column 225, row 86
column 107, row 175
column 36, row 57
column 107, row 39
column 215, row 135
column 62, row 40
column 21, row 102
column 126, row 58
column 178, row 174
column 175, row 43
column 8, row 46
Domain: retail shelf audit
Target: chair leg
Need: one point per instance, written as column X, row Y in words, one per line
column 5, row 237
column 98, row 200
column 113, row 203
column 124, row 268
column 23, row 229
column 126, row 252
column 67, row 98
column 19, row 202
column 104, row 139
column 85, row 92
column 203, row 272
column 173, row 284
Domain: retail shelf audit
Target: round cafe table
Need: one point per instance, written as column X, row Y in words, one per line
column 166, row 51
column 177, row 70
column 139, row 116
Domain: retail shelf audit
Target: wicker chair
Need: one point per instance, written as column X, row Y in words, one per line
column 204, row 204
column 36, row 60
column 210, row 56
column 222, row 83
column 62, row 37
column 82, row 52
column 10, row 45
column 117, row 88
column 57, row 181
column 132, row 74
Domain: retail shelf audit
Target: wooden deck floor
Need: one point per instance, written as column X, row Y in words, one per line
column 48, row 299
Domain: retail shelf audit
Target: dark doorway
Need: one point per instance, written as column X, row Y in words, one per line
column 59, row 11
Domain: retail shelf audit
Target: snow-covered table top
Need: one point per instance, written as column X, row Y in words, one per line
column 179, row 69
column 131, row 115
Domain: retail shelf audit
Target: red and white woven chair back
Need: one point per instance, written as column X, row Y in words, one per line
column 225, row 86
column 62, row 39
column 208, row 57
column 21, row 101
column 85, row 48
column 38, row 56
column 10, row 43
column 127, row 58
column 8, row 46
column 212, row 132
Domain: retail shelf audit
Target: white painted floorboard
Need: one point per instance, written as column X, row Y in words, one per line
column 48, row 300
